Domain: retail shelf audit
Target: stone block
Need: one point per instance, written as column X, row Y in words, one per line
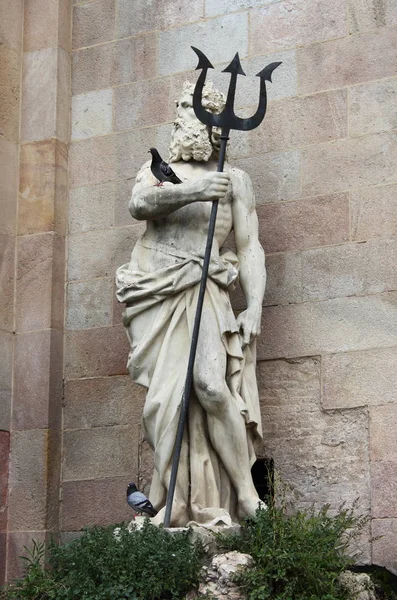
column 367, row 15
column 373, row 212
column 94, row 23
column 19, row 542
column 294, row 23
column 284, row 79
column 217, row 38
column 372, row 107
column 92, row 114
column 118, row 309
column 98, row 254
column 384, row 546
column 6, row 360
column 275, row 176
column 155, row 15
column 298, row 122
column 46, row 24
column 106, row 158
column 220, row 7
column 97, row 502
column 384, row 489
column 8, row 185
column 100, row 452
column 122, row 196
column 11, row 23
column 143, row 103
column 7, row 272
column 359, row 378
column 89, row 304
column 347, row 61
column 4, row 470
column 307, row 223
column 349, row 270
column 43, row 187
column 349, row 163
column 87, row 402
column 28, row 472
column 338, row 325
column 3, row 557
column 40, row 281
column 96, row 352
column 383, row 427
column 92, row 207
column 107, row 65
column 10, row 93
column 284, row 279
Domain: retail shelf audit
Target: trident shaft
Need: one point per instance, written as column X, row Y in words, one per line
column 226, row 120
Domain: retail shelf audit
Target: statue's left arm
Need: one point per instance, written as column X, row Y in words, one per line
column 250, row 254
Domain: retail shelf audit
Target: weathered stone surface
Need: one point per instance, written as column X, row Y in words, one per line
column 11, row 23
column 217, row 579
column 383, row 427
column 107, row 65
column 92, row 114
column 27, row 495
column 358, row 585
column 92, row 207
column 349, row 163
column 155, row 15
column 284, row 279
column 6, row 359
column 96, row 502
column 4, row 470
column 294, row 23
column 122, row 196
column 10, row 67
column 219, row 7
column 8, row 185
column 384, row 489
column 384, row 546
column 46, row 24
column 7, row 276
column 218, row 38
column 337, row 325
column 372, row 107
column 97, row 254
column 18, row 542
column 100, row 452
column 350, row 269
column 275, row 176
column 373, row 212
column 102, row 402
column 3, row 556
column 145, row 467
column 89, row 304
column 349, row 60
column 319, row 221
column 370, row 14
column 96, row 352
column 93, row 23
column 143, row 103
column 359, row 378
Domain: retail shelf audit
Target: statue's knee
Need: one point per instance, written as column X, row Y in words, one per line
column 211, row 395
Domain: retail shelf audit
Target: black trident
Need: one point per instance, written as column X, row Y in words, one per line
column 226, row 120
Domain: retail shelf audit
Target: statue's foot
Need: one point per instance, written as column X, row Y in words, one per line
column 247, row 507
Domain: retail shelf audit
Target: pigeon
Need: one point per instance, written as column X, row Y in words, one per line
column 139, row 502
column 161, row 170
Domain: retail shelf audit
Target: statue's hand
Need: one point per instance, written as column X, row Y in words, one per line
column 212, row 187
column 249, row 322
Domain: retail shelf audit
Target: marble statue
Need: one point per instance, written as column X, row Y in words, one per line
column 159, row 287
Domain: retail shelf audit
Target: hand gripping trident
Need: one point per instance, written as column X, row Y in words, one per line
column 226, row 120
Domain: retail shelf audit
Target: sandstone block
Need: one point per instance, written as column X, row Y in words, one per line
column 93, row 23
column 284, row 279
column 162, row 14
column 384, row 546
column 11, row 22
column 359, row 378
column 118, row 309
column 338, row 325
column 27, row 495
column 383, row 423
column 96, row 352
column 8, row 185
column 217, row 38
column 366, row 15
column 89, row 304
column 275, row 176
column 123, row 189
column 4, row 470
column 373, row 212
column 347, row 61
column 92, row 207
column 372, row 107
column 18, row 542
column 3, row 556
column 97, row 502
column 318, row 221
column 6, row 359
column 100, row 452
column 92, row 114
column 349, row 270
column 293, row 23
column 384, row 489
column 42, row 187
column 46, row 24
column 10, row 93
column 143, row 103
column 219, row 7
column 87, row 402
column 349, row 163
column 7, row 270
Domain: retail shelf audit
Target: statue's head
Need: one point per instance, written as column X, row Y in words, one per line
column 191, row 139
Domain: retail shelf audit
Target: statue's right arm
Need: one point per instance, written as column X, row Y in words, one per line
column 149, row 201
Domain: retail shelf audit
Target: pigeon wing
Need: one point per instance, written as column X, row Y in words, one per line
column 169, row 173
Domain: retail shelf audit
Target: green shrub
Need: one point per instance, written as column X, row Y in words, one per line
column 297, row 556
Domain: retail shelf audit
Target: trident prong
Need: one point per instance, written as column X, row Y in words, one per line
column 226, row 120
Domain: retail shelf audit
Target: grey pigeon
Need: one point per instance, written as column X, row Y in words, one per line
column 139, row 502
column 161, row 170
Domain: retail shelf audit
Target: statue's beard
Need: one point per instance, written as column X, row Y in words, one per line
column 190, row 142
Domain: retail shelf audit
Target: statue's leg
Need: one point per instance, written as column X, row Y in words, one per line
column 226, row 425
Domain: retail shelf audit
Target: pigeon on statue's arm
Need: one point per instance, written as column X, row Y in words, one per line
column 139, row 502
column 161, row 170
